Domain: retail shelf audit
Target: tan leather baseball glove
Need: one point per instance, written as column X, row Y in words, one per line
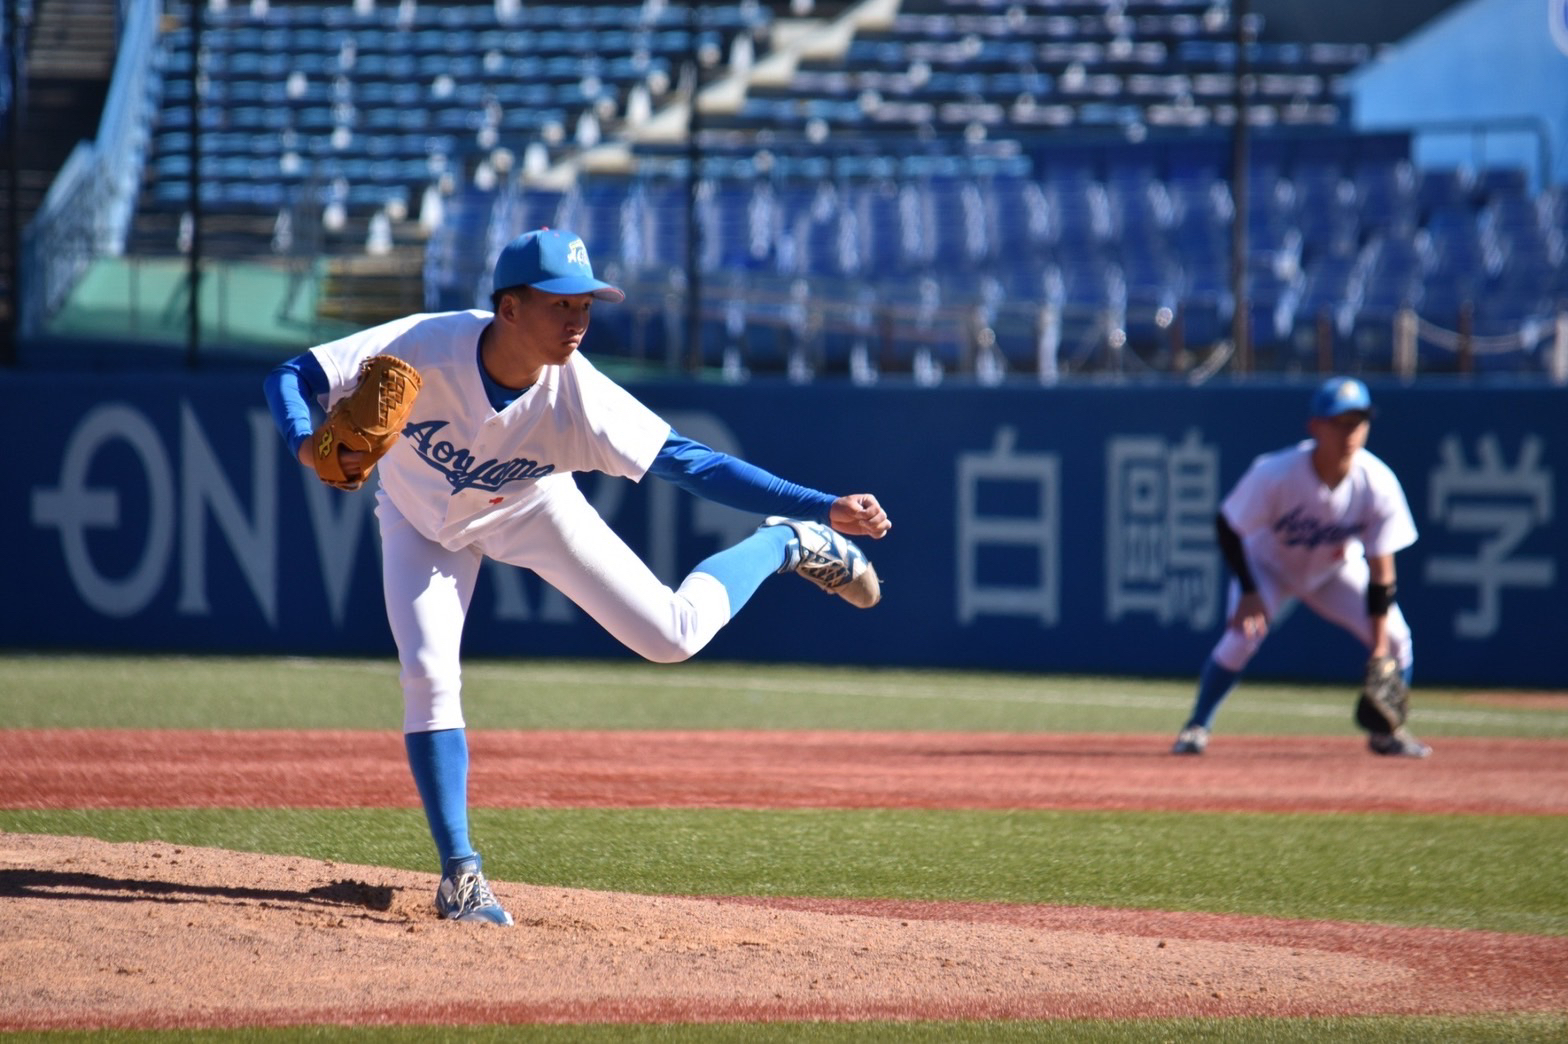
column 368, row 419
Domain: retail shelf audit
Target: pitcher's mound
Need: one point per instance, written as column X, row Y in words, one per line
column 95, row 934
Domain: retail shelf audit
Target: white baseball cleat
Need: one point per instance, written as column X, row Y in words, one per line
column 829, row 560
column 1191, row 740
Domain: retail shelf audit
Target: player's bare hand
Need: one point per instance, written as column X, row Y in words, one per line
column 859, row 514
column 352, row 461
column 1251, row 619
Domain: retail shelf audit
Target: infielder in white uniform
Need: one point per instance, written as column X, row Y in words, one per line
column 508, row 410
column 1318, row 522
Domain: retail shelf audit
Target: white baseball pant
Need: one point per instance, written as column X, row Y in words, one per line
column 1341, row 600
column 428, row 589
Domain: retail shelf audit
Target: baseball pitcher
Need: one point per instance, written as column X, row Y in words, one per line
column 477, row 420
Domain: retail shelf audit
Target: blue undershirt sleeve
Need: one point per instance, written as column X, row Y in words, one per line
column 730, row 481
column 290, row 389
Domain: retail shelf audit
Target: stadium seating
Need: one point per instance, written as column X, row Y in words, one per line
column 386, row 96
column 1037, row 187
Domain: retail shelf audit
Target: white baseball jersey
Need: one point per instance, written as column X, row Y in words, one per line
column 461, row 468
column 1301, row 531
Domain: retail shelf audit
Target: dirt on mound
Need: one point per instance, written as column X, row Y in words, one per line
column 95, row 934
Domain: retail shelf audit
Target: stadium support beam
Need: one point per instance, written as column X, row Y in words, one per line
column 15, row 85
column 1240, row 291
column 693, row 346
column 193, row 277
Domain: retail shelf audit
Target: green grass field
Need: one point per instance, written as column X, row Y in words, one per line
column 1471, row 872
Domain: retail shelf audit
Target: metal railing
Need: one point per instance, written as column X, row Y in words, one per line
column 88, row 208
column 1464, row 346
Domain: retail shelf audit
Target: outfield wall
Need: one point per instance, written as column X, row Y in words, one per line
column 1056, row 529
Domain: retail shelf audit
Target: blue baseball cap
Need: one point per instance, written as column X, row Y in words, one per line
column 1341, row 395
column 553, row 260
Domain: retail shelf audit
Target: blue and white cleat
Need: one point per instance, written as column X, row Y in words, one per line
column 1194, row 739
column 829, row 560
column 465, row 895
column 1398, row 744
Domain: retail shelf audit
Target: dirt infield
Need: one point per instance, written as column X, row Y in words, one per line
column 85, row 768
column 153, row 935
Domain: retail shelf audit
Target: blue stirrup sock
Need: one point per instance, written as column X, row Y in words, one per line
column 1214, row 684
column 439, row 762
column 742, row 568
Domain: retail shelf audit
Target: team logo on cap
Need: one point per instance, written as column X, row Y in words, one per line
column 577, row 253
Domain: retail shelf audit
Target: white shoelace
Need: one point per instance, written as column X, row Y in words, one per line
column 473, row 892
column 829, row 572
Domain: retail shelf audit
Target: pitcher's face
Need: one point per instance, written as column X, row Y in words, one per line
column 545, row 328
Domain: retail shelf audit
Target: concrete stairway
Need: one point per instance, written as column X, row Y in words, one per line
column 70, row 54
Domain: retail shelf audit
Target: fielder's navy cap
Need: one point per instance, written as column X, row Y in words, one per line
column 552, row 260
column 1341, row 395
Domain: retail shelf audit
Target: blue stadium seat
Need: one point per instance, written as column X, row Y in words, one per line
column 944, row 151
